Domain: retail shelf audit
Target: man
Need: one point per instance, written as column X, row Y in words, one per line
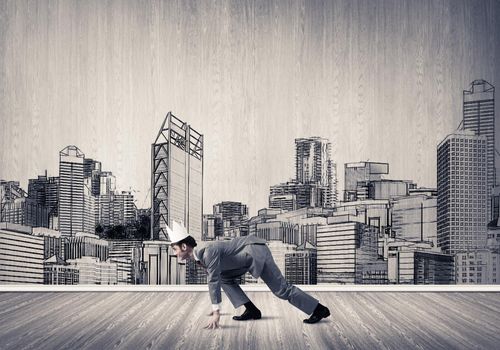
column 225, row 261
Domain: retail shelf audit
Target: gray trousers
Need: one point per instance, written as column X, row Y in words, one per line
column 272, row 276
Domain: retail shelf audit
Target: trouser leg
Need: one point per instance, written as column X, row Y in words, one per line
column 272, row 276
column 234, row 293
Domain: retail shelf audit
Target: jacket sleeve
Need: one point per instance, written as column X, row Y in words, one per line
column 213, row 275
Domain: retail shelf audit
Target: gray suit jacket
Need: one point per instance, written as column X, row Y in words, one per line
column 248, row 253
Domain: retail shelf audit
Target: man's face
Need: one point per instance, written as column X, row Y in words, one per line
column 182, row 251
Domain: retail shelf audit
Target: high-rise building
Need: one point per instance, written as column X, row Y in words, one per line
column 479, row 117
column 107, row 183
column 45, row 191
column 177, row 178
column 92, row 170
column 359, row 175
column 89, row 207
column 176, row 182
column 313, row 165
column 71, row 191
column 462, row 192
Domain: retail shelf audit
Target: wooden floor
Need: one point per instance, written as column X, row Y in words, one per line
column 174, row 320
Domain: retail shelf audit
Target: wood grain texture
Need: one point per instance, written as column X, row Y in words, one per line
column 174, row 320
column 382, row 79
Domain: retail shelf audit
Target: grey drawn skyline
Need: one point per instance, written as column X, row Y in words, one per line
column 381, row 80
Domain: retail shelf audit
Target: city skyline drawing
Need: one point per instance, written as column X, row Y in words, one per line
column 353, row 136
column 382, row 83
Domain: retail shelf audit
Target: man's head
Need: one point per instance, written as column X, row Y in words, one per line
column 184, row 248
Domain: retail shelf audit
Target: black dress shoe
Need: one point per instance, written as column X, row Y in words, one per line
column 319, row 313
column 248, row 315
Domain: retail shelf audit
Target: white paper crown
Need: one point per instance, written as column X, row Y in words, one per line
column 177, row 233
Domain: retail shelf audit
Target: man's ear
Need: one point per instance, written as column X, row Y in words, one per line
column 184, row 246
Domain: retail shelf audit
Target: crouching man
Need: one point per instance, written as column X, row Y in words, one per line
column 225, row 261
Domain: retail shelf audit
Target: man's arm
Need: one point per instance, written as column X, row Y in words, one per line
column 213, row 276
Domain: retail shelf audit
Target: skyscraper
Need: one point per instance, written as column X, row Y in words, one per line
column 177, row 178
column 71, row 191
column 176, row 194
column 479, row 117
column 313, row 165
column 462, row 192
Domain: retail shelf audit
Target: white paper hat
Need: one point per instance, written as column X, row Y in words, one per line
column 177, row 233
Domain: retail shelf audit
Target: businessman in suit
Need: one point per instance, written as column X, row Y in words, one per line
column 225, row 261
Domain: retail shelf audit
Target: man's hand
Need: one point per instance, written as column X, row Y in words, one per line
column 214, row 320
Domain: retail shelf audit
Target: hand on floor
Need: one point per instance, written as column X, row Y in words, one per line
column 214, row 320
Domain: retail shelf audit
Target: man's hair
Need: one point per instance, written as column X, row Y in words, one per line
column 190, row 241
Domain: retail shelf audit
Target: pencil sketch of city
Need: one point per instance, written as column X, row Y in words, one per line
column 357, row 138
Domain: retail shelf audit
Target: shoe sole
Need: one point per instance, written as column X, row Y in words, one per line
column 247, row 319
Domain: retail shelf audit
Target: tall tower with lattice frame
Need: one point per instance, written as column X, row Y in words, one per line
column 176, row 183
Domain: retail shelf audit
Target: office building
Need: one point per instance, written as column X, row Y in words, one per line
column 300, row 266
column 414, row 218
column 86, row 244
column 91, row 270
column 313, row 165
column 462, row 192
column 115, row 209
column 45, row 191
column 418, row 263
column 479, row 117
column 57, row 271
column 348, row 252
column 228, row 217
column 126, row 254
column 480, row 266
column 17, row 208
column 281, row 231
column 89, row 207
column 287, row 202
column 176, row 181
column 71, row 191
column 21, row 255
column 25, row 211
column 296, row 195
column 91, row 170
column 388, row 189
column 359, row 175
column 53, row 243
